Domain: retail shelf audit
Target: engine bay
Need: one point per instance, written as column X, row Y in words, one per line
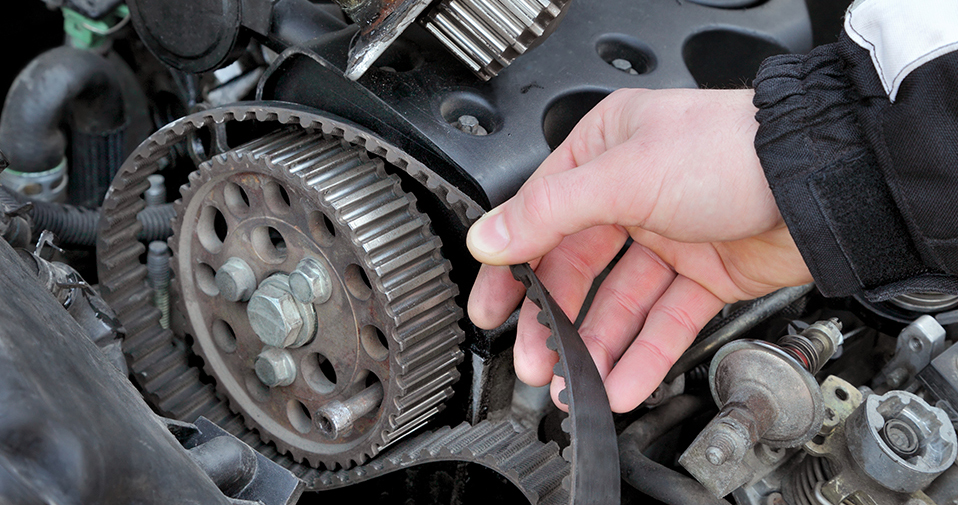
column 251, row 218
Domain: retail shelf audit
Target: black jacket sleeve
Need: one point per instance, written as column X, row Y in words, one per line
column 867, row 186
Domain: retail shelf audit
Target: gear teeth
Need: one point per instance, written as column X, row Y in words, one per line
column 488, row 35
column 148, row 347
column 399, row 253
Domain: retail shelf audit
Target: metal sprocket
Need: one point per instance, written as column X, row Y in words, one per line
column 297, row 193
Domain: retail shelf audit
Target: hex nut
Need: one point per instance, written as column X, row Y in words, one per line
column 236, row 280
column 310, row 282
column 277, row 318
column 275, row 367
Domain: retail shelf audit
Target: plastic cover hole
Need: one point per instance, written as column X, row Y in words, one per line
column 299, row 416
column 626, row 54
column 224, row 336
column 357, row 283
column 563, row 114
column 319, row 373
column 726, row 59
column 206, row 279
column 464, row 103
column 269, row 244
column 374, row 342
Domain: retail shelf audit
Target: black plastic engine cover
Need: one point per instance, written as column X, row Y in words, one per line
column 417, row 90
column 72, row 428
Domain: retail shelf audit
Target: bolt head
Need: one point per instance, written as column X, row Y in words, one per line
column 236, row 280
column 716, row 455
column 275, row 367
column 274, row 315
column 310, row 282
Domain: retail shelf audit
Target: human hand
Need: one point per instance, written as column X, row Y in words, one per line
column 677, row 171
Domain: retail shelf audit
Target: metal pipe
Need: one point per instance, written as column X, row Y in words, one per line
column 336, row 417
column 737, row 325
column 651, row 478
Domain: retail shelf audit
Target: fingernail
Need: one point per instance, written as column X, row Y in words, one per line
column 489, row 235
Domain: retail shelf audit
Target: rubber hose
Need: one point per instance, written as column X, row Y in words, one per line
column 77, row 227
column 651, row 478
column 62, row 83
column 737, row 325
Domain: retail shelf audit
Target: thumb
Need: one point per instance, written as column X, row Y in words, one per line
column 547, row 209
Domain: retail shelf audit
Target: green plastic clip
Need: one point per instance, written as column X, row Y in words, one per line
column 85, row 33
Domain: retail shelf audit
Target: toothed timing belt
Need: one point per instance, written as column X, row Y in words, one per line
column 586, row 473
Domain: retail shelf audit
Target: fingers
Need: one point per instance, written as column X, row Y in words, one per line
column 567, row 272
column 607, row 190
column 494, row 296
column 622, row 303
column 620, row 307
column 671, row 326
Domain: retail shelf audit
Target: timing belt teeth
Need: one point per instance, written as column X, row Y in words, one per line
column 533, row 467
column 487, row 35
column 157, row 358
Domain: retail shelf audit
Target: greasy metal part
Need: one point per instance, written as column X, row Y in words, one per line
column 940, row 378
column 158, row 272
column 158, row 361
column 666, row 391
column 156, row 193
column 91, row 312
column 382, row 22
column 391, row 316
column 487, row 35
column 840, row 478
column 73, row 429
column 46, row 186
column 918, row 344
column 653, row 479
column 467, row 123
column 900, row 441
column 593, row 452
column 767, row 393
column 756, row 312
column 238, row 470
column 925, row 302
